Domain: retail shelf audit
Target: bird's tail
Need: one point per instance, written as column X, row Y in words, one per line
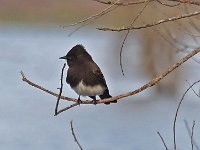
column 107, row 95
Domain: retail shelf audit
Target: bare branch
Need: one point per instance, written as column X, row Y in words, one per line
column 162, row 140
column 177, row 110
column 119, row 97
column 61, row 87
column 152, row 24
column 73, row 134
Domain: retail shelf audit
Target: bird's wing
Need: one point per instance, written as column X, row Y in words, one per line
column 73, row 77
column 99, row 75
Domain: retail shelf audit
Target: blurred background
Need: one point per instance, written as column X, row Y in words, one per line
column 33, row 37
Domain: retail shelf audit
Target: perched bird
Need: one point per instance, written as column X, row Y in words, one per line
column 84, row 76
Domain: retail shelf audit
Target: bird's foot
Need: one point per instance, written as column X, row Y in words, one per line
column 79, row 100
column 94, row 102
column 94, row 99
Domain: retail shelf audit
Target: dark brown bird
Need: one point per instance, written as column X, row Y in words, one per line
column 84, row 76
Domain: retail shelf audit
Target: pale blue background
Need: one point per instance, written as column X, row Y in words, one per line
column 27, row 115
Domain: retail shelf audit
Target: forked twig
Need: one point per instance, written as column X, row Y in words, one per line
column 61, row 87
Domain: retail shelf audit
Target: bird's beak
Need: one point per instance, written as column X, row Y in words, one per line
column 64, row 57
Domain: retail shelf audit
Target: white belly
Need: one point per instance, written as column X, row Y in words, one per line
column 82, row 89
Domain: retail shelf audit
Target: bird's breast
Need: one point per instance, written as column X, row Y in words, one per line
column 87, row 90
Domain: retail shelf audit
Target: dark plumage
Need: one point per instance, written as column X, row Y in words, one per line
column 84, row 76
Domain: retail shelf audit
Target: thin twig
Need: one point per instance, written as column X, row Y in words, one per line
column 192, row 141
column 152, row 24
column 162, row 140
column 194, row 2
column 119, row 97
column 135, row 18
column 92, row 18
column 169, row 5
column 73, row 134
column 61, row 87
column 193, row 89
column 122, row 3
column 177, row 110
column 190, row 133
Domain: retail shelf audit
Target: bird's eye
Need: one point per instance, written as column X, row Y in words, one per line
column 69, row 58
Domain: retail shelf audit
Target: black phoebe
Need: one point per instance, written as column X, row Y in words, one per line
column 84, row 76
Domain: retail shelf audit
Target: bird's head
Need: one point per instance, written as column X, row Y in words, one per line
column 76, row 54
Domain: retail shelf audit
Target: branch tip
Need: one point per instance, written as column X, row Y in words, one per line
column 23, row 75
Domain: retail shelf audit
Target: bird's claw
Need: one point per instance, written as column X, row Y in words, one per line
column 94, row 102
column 79, row 101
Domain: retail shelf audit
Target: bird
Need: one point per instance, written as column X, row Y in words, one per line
column 84, row 75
